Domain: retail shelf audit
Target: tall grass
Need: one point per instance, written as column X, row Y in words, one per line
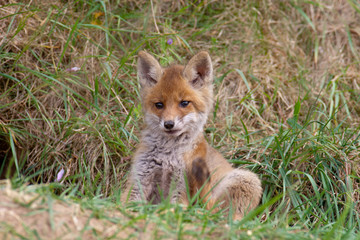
column 286, row 107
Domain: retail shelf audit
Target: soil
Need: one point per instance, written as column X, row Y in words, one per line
column 33, row 216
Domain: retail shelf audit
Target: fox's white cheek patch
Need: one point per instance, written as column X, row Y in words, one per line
column 187, row 120
column 190, row 118
column 152, row 120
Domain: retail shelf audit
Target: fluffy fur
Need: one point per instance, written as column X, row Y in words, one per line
column 176, row 102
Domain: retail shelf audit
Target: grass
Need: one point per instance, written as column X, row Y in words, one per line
column 286, row 107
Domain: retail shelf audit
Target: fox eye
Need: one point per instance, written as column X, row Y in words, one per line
column 184, row 104
column 159, row 105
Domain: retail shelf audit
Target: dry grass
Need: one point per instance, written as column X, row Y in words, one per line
column 268, row 57
column 53, row 115
column 28, row 215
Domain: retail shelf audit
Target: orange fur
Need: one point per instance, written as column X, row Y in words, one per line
column 176, row 102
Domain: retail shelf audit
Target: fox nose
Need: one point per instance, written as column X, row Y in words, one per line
column 169, row 124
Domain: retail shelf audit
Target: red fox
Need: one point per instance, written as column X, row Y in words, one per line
column 176, row 103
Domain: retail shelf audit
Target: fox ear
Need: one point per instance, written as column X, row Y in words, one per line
column 199, row 70
column 149, row 69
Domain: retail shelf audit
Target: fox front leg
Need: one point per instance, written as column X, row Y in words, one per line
column 138, row 191
column 143, row 184
column 178, row 192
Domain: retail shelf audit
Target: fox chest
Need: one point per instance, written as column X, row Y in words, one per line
column 162, row 160
column 159, row 171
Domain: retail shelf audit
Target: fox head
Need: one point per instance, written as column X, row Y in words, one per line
column 176, row 99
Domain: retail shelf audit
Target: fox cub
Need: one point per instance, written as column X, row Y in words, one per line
column 176, row 102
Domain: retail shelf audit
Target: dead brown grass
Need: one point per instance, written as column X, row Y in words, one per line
column 25, row 214
column 28, row 215
column 283, row 56
column 38, row 47
column 287, row 45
